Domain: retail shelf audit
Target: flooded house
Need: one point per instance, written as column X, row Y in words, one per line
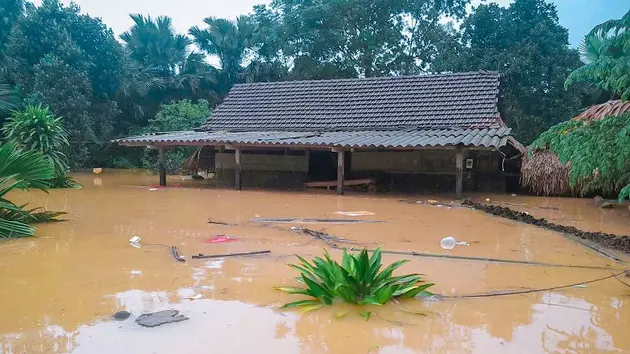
column 410, row 133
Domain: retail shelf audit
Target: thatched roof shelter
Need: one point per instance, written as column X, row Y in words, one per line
column 599, row 111
column 544, row 174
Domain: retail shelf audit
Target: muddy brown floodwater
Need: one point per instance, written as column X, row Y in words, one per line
column 60, row 289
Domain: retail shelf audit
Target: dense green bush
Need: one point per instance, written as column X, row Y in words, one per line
column 599, row 152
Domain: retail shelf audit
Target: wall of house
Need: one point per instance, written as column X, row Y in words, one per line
column 425, row 171
column 418, row 171
column 264, row 169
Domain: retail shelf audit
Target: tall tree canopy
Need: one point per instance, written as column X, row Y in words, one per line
column 72, row 63
column 229, row 41
column 349, row 38
column 54, row 55
column 527, row 45
column 161, row 68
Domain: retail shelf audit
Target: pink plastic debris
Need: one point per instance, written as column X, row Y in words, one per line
column 221, row 239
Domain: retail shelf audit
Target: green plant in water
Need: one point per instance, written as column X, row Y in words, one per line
column 20, row 170
column 357, row 280
column 36, row 128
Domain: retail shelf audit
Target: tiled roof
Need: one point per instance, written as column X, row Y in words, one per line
column 491, row 138
column 462, row 100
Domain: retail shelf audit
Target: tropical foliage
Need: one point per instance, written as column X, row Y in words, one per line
column 21, row 169
column 602, row 163
column 526, row 44
column 8, row 98
column 177, row 116
column 357, row 280
column 606, row 54
column 228, row 40
column 36, row 128
column 72, row 63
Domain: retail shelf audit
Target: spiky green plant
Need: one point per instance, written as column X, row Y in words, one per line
column 36, row 128
column 20, row 170
column 357, row 280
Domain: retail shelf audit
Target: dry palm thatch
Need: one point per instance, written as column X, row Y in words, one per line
column 542, row 171
column 599, row 111
column 544, row 174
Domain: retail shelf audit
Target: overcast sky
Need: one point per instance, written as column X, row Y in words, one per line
column 579, row 16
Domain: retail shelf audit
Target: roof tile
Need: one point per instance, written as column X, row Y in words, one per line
column 462, row 100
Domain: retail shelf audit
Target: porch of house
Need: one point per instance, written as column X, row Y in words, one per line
column 463, row 157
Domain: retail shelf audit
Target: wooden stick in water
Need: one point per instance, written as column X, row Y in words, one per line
column 201, row 256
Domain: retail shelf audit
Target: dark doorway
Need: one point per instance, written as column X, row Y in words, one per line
column 322, row 166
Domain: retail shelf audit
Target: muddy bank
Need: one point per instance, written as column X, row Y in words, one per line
column 616, row 242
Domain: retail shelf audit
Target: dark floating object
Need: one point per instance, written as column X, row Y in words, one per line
column 210, row 221
column 311, row 220
column 122, row 315
column 155, row 319
column 201, row 256
column 176, row 255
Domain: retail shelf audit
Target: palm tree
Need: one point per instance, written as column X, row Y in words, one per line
column 154, row 42
column 229, row 41
column 21, row 169
column 606, row 54
column 8, row 99
column 161, row 68
column 591, row 48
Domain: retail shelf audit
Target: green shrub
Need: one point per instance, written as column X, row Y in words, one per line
column 357, row 280
column 36, row 128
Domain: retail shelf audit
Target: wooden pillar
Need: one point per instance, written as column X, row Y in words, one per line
column 162, row 167
column 459, row 171
column 237, row 170
column 341, row 166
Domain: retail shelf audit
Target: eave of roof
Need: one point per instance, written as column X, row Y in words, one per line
column 483, row 138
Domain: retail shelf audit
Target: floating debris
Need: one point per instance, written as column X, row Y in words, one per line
column 135, row 241
column 159, row 318
column 201, row 256
column 313, row 221
column 176, row 255
column 329, row 239
column 355, row 213
column 210, row 221
column 121, row 315
column 221, row 239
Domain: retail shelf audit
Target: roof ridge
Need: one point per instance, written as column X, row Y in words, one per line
column 374, row 78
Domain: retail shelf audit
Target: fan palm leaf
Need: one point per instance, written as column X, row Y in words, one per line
column 21, row 169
